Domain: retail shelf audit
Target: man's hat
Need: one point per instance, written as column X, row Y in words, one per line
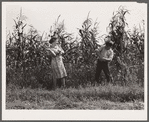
column 53, row 39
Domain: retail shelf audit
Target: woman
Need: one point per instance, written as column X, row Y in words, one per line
column 58, row 69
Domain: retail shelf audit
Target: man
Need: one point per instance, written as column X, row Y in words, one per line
column 105, row 55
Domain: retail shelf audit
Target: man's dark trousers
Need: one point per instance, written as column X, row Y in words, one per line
column 102, row 65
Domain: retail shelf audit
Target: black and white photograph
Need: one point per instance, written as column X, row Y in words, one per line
column 74, row 60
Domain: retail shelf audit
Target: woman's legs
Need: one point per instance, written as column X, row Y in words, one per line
column 63, row 80
column 60, row 82
column 54, row 82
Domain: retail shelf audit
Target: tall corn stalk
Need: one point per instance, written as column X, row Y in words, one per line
column 119, row 36
column 25, row 52
column 19, row 44
column 125, row 46
column 89, row 34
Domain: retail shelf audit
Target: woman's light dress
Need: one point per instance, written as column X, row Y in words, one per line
column 57, row 64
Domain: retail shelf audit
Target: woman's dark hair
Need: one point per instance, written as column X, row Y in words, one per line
column 109, row 43
column 52, row 40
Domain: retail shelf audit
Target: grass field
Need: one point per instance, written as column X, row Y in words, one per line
column 91, row 97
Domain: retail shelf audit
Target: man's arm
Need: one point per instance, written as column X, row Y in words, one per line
column 98, row 50
column 110, row 57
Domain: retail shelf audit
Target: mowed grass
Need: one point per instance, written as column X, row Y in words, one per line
column 91, row 97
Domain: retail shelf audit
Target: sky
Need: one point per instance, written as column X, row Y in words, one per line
column 43, row 14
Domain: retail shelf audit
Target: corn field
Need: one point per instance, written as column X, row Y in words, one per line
column 28, row 62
